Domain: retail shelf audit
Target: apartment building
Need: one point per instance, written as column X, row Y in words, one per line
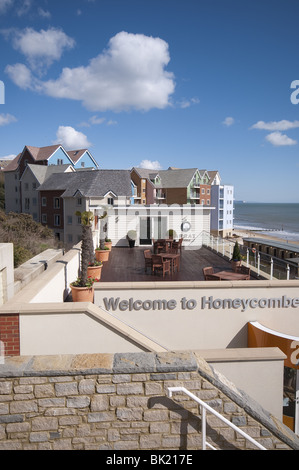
column 222, row 218
column 16, row 199
column 172, row 186
column 33, row 176
column 62, row 195
column 187, row 186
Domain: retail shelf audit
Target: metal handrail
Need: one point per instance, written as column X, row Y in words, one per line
column 204, row 409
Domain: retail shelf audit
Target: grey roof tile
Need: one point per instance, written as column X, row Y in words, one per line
column 95, row 183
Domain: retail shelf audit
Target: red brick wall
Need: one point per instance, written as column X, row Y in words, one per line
column 10, row 334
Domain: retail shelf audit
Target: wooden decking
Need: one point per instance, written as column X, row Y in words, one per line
column 127, row 265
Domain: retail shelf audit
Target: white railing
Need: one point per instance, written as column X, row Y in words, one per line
column 204, row 409
column 262, row 263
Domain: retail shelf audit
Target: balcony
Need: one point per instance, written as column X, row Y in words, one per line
column 159, row 195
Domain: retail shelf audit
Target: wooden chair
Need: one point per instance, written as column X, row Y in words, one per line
column 147, row 259
column 159, row 246
column 244, row 270
column 209, row 271
column 174, row 248
column 158, row 264
column 180, row 242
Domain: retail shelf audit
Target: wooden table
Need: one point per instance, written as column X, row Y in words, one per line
column 164, row 243
column 172, row 257
column 230, row 276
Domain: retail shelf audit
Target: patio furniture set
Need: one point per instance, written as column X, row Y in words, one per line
column 241, row 273
column 165, row 257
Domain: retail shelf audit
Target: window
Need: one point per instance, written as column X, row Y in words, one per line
column 59, row 161
column 56, row 220
column 27, row 203
column 203, row 191
column 110, row 201
column 44, row 201
column 56, row 202
column 79, row 201
column 82, row 164
column 69, row 220
column 26, row 186
column 33, row 185
column 44, row 218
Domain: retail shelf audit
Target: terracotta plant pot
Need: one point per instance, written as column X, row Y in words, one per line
column 109, row 244
column 82, row 294
column 235, row 265
column 94, row 271
column 102, row 255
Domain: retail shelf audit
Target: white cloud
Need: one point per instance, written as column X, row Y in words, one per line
column 4, row 5
column 41, row 48
column 93, row 120
column 20, row 75
column 8, row 157
column 129, row 74
column 279, row 139
column 185, row 103
column 71, row 139
column 228, row 121
column 150, row 165
column 24, row 7
column 282, row 125
column 96, row 120
column 7, row 119
column 44, row 13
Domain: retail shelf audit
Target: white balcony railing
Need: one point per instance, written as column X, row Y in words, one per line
column 204, row 409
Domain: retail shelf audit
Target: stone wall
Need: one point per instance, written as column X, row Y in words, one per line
column 120, row 402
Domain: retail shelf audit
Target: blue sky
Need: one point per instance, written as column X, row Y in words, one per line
column 191, row 83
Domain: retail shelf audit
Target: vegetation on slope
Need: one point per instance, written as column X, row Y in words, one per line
column 28, row 237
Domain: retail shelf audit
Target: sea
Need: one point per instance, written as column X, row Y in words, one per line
column 279, row 220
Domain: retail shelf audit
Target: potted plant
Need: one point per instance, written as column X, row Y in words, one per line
column 102, row 251
column 94, row 269
column 108, row 243
column 82, row 288
column 236, row 257
column 131, row 237
column 171, row 233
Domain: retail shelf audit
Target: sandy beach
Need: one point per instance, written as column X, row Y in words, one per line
column 241, row 234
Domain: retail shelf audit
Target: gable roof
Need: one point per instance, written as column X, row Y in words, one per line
column 176, row 178
column 13, row 164
column 43, row 153
column 96, row 183
column 42, row 172
column 39, row 154
column 76, row 155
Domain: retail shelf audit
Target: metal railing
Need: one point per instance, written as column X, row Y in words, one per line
column 262, row 263
column 204, row 409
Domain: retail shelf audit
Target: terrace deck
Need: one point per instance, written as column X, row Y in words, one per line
column 127, row 265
